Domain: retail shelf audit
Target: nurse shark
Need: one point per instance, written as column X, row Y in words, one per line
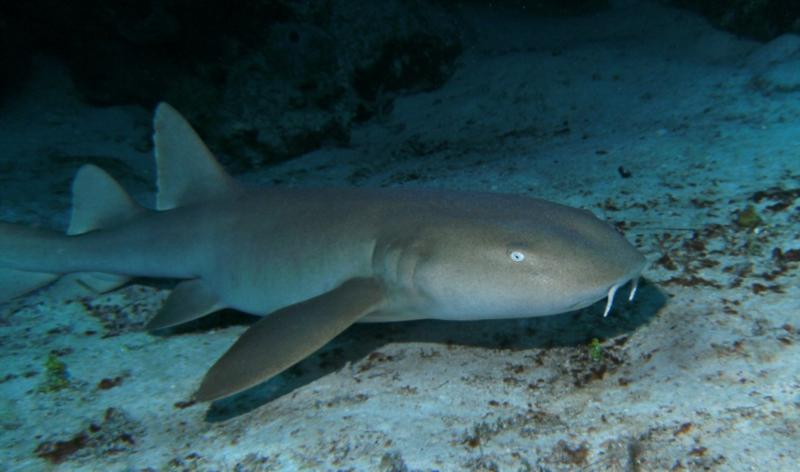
column 315, row 261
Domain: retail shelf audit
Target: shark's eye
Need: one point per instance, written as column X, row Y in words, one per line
column 517, row 256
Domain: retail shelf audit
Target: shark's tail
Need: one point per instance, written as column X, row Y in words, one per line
column 30, row 258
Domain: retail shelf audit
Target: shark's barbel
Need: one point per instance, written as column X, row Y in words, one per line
column 315, row 261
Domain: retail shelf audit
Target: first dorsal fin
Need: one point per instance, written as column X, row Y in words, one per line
column 187, row 171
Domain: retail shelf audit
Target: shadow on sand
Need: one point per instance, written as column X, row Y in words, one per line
column 568, row 329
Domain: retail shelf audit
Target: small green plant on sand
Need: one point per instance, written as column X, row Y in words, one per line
column 748, row 218
column 595, row 350
column 56, row 376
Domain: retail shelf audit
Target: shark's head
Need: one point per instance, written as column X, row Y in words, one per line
column 512, row 263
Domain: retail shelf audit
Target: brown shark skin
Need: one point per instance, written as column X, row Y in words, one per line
column 396, row 254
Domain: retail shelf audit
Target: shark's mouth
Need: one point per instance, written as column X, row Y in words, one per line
column 613, row 290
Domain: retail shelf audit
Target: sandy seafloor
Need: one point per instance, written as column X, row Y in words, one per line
column 700, row 372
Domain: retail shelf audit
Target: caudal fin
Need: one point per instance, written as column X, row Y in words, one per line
column 20, row 247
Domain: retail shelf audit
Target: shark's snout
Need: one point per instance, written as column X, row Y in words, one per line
column 592, row 261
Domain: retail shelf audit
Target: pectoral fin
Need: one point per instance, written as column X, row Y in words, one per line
column 188, row 301
column 288, row 335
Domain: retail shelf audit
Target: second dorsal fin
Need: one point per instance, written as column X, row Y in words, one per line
column 187, row 171
column 98, row 201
